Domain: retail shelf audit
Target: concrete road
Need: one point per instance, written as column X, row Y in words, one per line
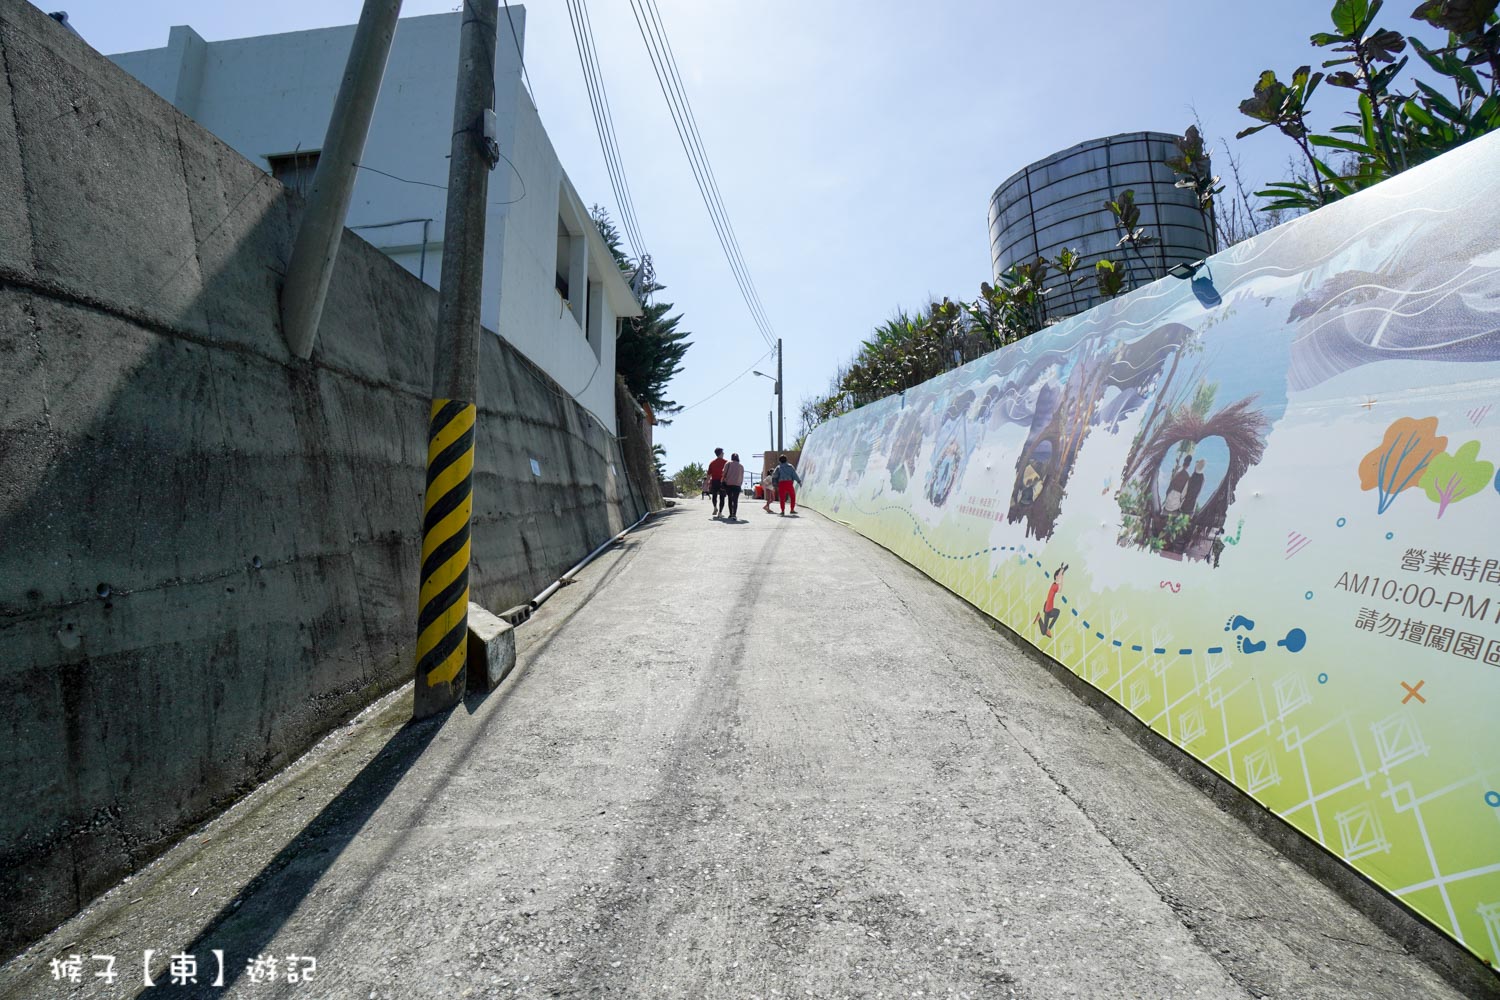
column 763, row 759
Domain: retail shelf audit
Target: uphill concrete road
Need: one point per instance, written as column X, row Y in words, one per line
column 763, row 759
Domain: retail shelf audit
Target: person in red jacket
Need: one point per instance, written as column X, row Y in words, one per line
column 716, row 481
column 1047, row 617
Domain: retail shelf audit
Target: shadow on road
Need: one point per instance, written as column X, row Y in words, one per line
column 244, row 927
column 247, row 925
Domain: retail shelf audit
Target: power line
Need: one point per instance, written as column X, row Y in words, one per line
column 657, row 49
column 444, row 187
column 731, row 382
column 517, row 39
column 603, row 122
column 676, row 76
column 609, row 120
column 697, row 161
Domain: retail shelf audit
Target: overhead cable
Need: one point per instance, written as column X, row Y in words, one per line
column 628, row 205
column 731, row 382
column 713, row 184
column 654, row 37
column 604, row 123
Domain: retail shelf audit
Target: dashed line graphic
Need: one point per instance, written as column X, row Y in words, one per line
column 1026, row 556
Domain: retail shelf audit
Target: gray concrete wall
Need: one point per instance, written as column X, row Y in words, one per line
column 210, row 550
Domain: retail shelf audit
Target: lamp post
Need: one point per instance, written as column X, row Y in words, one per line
column 780, row 401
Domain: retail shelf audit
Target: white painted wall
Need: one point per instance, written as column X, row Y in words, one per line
column 531, row 308
column 273, row 94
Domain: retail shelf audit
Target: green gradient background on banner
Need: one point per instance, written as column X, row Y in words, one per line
column 1274, row 490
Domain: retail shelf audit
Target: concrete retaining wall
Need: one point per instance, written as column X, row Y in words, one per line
column 210, row 549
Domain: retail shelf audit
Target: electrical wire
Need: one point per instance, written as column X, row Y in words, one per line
column 671, row 62
column 654, row 36
column 731, row 382
column 517, row 39
column 604, row 123
column 444, row 187
column 629, row 205
column 693, row 152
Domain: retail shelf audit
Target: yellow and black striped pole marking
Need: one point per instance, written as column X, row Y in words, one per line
column 442, row 628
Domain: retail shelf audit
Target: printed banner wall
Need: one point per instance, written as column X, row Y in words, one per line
column 1258, row 508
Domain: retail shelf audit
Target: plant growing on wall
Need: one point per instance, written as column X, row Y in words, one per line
column 1401, row 459
column 1451, row 478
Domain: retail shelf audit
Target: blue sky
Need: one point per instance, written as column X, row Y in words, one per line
column 856, row 144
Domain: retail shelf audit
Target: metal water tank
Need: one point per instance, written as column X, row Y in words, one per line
column 1059, row 202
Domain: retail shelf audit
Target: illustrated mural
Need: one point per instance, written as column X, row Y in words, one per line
column 1260, row 509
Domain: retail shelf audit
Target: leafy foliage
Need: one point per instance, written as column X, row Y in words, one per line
column 1109, row 277
column 1191, row 165
column 1391, row 131
column 650, row 348
column 689, row 479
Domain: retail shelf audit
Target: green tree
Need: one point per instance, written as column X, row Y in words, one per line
column 689, row 479
column 650, row 348
column 1451, row 478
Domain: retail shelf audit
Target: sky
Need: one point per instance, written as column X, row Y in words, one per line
column 856, row 144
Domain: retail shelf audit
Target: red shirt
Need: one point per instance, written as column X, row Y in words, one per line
column 716, row 468
column 1051, row 596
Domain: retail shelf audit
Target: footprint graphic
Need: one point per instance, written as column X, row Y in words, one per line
column 1294, row 641
column 1239, row 621
column 1248, row 645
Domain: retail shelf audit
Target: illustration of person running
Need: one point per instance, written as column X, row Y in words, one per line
column 1047, row 617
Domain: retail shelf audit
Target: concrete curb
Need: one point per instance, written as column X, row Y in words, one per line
column 1431, row 945
column 492, row 649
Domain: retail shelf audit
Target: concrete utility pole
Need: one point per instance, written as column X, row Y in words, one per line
column 443, row 625
column 317, row 245
column 780, row 402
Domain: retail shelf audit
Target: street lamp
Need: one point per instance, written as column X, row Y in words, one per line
column 777, row 383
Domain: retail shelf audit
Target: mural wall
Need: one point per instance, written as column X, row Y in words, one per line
column 1258, row 508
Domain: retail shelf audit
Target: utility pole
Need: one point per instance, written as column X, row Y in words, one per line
column 443, row 624
column 317, row 245
column 780, row 403
column 771, row 428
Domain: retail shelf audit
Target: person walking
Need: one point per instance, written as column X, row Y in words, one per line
column 785, row 476
column 716, row 481
column 734, row 482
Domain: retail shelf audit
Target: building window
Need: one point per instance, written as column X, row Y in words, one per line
column 564, row 257
column 572, row 273
column 295, row 170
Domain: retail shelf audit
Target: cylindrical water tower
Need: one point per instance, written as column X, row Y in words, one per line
column 1059, row 202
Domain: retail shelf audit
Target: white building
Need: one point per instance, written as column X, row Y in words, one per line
column 551, row 287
